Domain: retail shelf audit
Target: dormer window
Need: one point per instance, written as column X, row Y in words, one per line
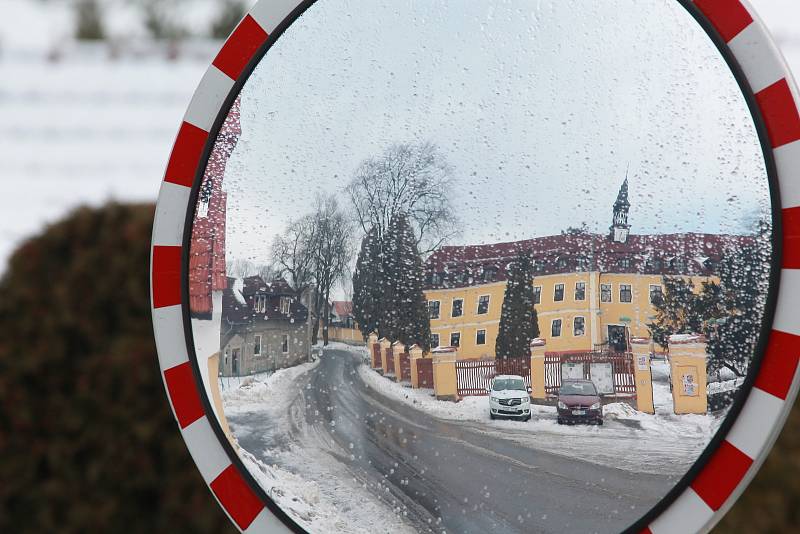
column 286, row 304
column 260, row 303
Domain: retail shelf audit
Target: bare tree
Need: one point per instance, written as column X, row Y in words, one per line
column 333, row 252
column 293, row 254
column 241, row 268
column 414, row 179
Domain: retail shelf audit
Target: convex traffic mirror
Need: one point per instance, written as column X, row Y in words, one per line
column 482, row 266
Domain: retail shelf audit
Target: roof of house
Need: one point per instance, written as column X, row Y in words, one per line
column 342, row 308
column 238, row 301
column 676, row 254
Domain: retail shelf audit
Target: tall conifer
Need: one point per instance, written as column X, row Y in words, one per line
column 518, row 321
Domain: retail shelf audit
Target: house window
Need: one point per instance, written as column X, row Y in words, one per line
column 562, row 263
column 625, row 294
column 480, row 337
column 537, row 294
column 555, row 329
column 257, row 345
column 436, row 279
column 434, row 340
column 458, row 308
column 656, row 294
column 580, row 291
column 624, row 263
column 286, row 303
column 455, row 339
column 433, row 309
column 558, row 293
column 578, row 326
column 261, row 303
column 582, row 263
column 605, row 292
column 483, row 304
column 285, row 344
column 538, row 265
column 489, row 274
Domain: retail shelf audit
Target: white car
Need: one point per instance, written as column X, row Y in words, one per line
column 508, row 397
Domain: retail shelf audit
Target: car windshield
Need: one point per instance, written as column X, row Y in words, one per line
column 577, row 388
column 501, row 384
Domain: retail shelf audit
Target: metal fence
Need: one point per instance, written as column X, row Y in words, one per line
column 473, row 377
column 622, row 370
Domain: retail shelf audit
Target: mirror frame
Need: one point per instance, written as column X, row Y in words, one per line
column 732, row 457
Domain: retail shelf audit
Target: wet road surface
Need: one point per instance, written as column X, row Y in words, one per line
column 449, row 476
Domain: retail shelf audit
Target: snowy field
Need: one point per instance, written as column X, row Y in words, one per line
column 88, row 128
column 320, row 493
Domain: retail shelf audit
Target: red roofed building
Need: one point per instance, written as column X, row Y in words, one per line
column 592, row 291
column 207, row 248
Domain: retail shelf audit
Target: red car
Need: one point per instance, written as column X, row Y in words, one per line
column 578, row 402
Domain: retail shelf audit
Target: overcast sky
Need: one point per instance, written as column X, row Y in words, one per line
column 540, row 107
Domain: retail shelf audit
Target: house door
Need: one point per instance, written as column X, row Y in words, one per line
column 235, row 361
column 617, row 338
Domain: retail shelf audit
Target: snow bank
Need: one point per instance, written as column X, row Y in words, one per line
column 260, row 392
column 629, row 439
column 329, row 501
column 304, row 478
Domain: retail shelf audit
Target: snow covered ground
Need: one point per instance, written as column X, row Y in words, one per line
column 319, row 492
column 660, row 443
column 88, row 129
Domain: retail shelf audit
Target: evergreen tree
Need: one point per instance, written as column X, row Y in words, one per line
column 680, row 310
column 405, row 317
column 519, row 324
column 367, row 284
column 744, row 282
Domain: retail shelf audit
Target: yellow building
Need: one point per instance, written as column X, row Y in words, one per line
column 593, row 292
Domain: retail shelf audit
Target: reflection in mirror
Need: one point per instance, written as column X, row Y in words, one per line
column 475, row 267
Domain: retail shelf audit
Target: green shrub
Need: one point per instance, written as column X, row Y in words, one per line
column 87, row 439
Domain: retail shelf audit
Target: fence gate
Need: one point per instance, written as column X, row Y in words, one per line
column 376, row 355
column 612, row 372
column 474, row 376
column 405, row 366
column 425, row 372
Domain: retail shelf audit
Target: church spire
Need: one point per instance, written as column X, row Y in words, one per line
column 619, row 227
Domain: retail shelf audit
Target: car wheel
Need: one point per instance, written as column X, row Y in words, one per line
column 560, row 421
column 600, row 422
column 528, row 418
column 492, row 416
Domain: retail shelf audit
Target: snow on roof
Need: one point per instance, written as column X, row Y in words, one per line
column 238, row 288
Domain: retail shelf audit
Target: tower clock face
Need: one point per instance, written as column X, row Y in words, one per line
column 481, row 266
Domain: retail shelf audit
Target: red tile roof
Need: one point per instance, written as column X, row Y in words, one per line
column 342, row 308
column 684, row 253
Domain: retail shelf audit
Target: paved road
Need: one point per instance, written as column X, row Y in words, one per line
column 450, row 476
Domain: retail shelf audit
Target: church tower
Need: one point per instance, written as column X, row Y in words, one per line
column 620, row 227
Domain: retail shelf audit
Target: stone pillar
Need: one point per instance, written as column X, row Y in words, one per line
column 445, row 382
column 642, row 375
column 384, row 344
column 538, row 347
column 398, row 349
column 416, row 353
column 687, row 360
